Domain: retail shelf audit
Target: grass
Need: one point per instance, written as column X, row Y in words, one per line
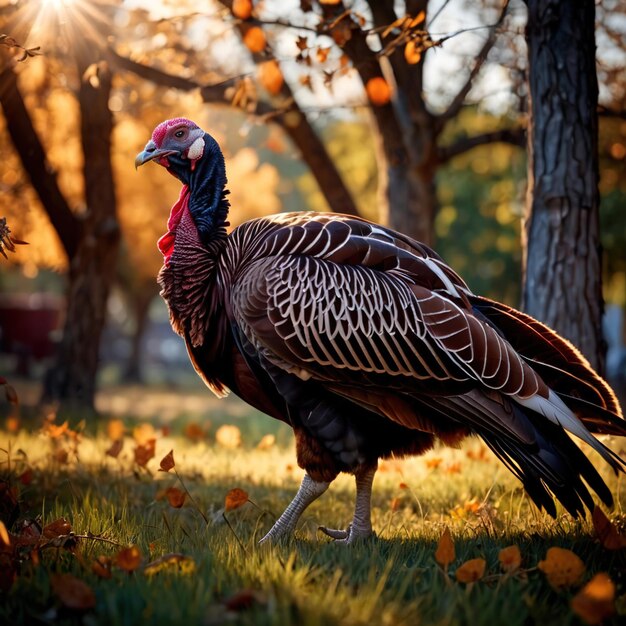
column 392, row 579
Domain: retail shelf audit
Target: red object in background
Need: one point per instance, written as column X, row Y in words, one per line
column 27, row 325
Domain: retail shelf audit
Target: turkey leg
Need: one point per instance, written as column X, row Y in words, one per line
column 361, row 526
column 309, row 491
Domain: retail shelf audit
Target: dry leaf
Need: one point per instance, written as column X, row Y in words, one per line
column 378, row 91
column 194, row 431
column 243, row 600
column 596, row 600
column 329, row 1
column 175, row 497
column 234, row 499
column 608, row 535
column 453, row 468
column 242, row 9
column 115, row 448
column 101, row 567
column 322, row 54
column 115, row 429
column 4, row 534
column 167, row 462
column 73, row 593
column 254, row 39
column 145, row 452
column 270, row 76
column 562, row 568
column 471, row 571
column 179, row 562
column 434, row 462
column 267, row 441
column 444, row 555
column 228, row 436
column 412, row 52
column 341, row 33
column 418, row 19
column 396, row 503
column 55, row 431
column 57, row 528
column 143, row 433
column 510, row 558
column 128, row 559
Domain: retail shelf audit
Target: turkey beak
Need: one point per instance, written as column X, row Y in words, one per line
column 151, row 152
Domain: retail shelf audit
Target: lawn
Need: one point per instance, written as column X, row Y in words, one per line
column 140, row 560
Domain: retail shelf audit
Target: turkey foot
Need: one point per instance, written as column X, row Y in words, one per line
column 361, row 526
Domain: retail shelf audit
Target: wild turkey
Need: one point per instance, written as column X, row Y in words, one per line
column 368, row 345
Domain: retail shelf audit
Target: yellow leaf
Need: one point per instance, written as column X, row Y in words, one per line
column 510, row 558
column 228, row 436
column 115, row 429
column 128, row 559
column 267, row 441
column 234, row 499
column 412, row 52
column 471, row 571
column 562, row 568
column 178, row 562
column 167, row 462
column 608, row 535
column 254, row 39
column 378, row 91
column 270, row 76
column 596, row 600
column 242, row 9
column 444, row 555
column 143, row 433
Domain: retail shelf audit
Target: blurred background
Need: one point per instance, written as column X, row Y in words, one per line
column 82, row 85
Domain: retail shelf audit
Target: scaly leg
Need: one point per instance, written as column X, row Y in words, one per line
column 361, row 526
column 309, row 491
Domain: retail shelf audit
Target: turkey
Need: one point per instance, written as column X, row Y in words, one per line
column 368, row 345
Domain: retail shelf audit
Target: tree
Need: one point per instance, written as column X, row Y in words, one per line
column 562, row 279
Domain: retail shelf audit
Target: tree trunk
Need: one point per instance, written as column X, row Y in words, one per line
column 141, row 302
column 72, row 381
column 562, row 279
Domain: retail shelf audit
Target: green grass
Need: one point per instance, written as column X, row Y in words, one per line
column 392, row 579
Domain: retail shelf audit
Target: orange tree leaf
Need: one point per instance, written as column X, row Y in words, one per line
column 412, row 52
column 378, row 91
column 608, row 535
column 596, row 600
column 167, row 462
column 57, row 528
column 254, row 39
column 101, row 567
column 73, row 593
column 242, row 9
column 115, row 429
column 179, row 562
column 128, row 559
column 471, row 571
column 115, row 448
column 510, row 558
column 4, row 534
column 444, row 555
column 145, row 452
column 175, row 497
column 271, row 78
column 235, row 498
column 562, row 568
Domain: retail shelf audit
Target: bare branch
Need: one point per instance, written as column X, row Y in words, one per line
column 513, row 136
column 457, row 102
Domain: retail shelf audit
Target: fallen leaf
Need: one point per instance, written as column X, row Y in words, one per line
column 403, row 486
column 73, row 593
column 4, row 534
column 145, row 452
column 596, row 600
column 562, row 568
column 167, row 462
column 144, row 433
column 13, row 424
column 194, row 431
column 434, row 462
column 510, row 558
column 101, row 567
column 57, row 528
column 179, row 562
column 55, row 431
column 453, row 468
column 267, row 442
column 378, row 91
column 234, row 499
column 128, row 559
column 115, row 429
column 254, row 39
column 115, row 448
column 228, row 436
column 175, row 497
column 607, row 533
column 444, row 555
column 242, row 9
column 418, row 19
column 471, row 570
column 412, row 52
column 270, row 76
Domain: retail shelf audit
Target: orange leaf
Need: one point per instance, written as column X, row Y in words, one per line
column 235, row 498
column 434, row 462
column 242, row 9
column 115, row 448
column 267, row 441
column 254, row 39
column 471, row 571
column 562, row 568
column 510, row 558
column 143, row 453
column 596, row 600
column 444, row 555
column 270, row 76
column 330, row 1
column 4, row 534
column 322, row 54
column 55, row 431
column 167, row 462
column 73, row 593
column 101, row 567
column 396, row 503
column 412, row 52
column 418, row 19
column 143, row 433
column 13, row 424
column 128, row 559
column 608, row 535
column 175, row 497
column 115, row 429
column 57, row 528
column 228, row 436
column 173, row 561
column 378, row 91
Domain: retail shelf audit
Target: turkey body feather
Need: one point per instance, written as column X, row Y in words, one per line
column 369, row 345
